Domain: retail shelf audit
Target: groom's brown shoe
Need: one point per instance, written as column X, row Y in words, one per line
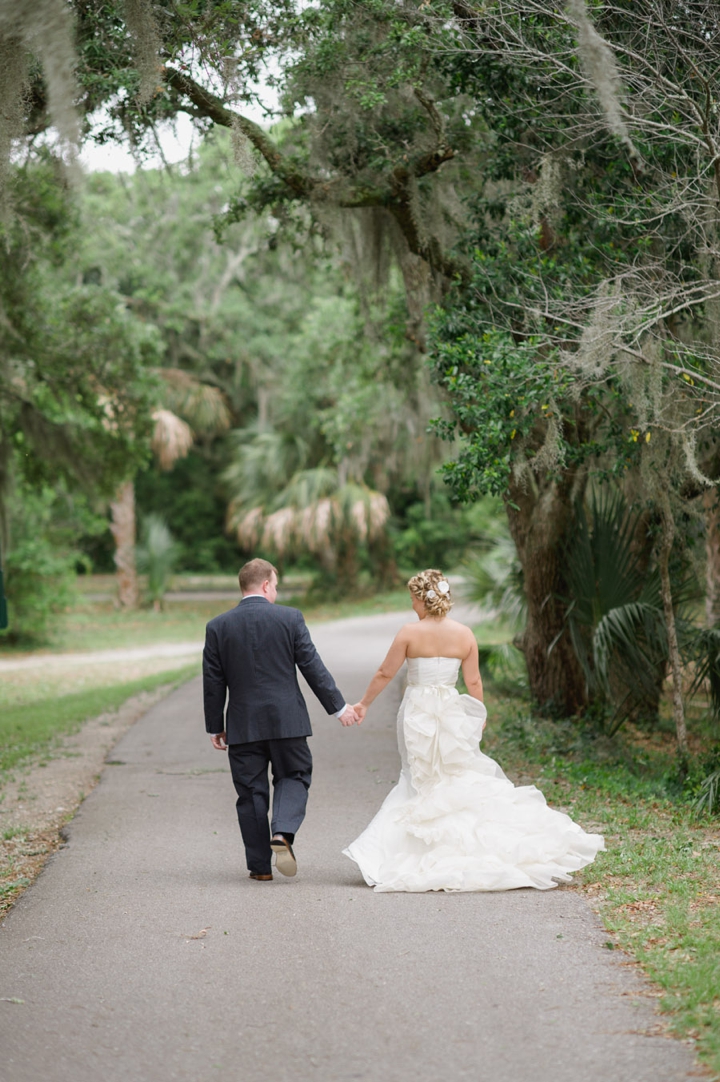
column 262, row 878
column 284, row 857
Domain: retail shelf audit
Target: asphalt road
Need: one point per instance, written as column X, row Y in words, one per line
column 144, row 954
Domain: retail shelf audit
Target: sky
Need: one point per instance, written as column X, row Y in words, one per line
column 175, row 138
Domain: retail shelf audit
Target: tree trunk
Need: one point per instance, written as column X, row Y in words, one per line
column 711, row 503
column 347, row 565
column 644, row 703
column 382, row 559
column 122, row 526
column 666, row 544
column 541, row 524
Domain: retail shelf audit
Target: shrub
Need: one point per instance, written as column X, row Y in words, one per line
column 39, row 586
column 156, row 557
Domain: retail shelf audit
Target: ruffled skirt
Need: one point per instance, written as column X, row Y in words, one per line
column 454, row 821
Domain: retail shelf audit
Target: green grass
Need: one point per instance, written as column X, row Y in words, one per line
column 657, row 888
column 36, row 708
column 30, row 731
column 100, row 626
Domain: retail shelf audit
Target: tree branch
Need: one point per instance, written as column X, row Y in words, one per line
column 212, row 107
column 394, row 195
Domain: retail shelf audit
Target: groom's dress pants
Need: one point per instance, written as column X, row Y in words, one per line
column 291, row 764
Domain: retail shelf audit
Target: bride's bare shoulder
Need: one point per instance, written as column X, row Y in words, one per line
column 461, row 634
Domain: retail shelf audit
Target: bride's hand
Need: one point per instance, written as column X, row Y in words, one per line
column 361, row 710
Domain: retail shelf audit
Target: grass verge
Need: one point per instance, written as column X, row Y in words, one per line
column 30, row 731
column 22, row 855
column 657, row 887
column 25, row 848
column 100, row 626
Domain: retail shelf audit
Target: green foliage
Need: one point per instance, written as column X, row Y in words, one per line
column 39, row 588
column 515, row 407
column 439, row 534
column 615, row 615
column 578, row 243
column 698, row 781
column 108, row 69
column 434, row 537
column 156, row 557
column 494, row 578
column 192, row 500
column 316, row 375
column 703, row 651
column 41, row 562
column 75, row 391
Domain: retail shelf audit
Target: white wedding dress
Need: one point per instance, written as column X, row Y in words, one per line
column 454, row 821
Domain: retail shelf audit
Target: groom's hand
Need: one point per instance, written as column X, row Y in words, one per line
column 218, row 741
column 348, row 717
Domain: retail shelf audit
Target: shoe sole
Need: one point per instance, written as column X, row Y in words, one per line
column 284, row 860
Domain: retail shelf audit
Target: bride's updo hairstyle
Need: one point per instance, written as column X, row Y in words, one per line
column 433, row 589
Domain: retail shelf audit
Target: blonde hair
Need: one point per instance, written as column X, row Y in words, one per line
column 419, row 585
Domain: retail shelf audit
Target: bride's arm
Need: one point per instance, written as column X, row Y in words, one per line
column 471, row 669
column 395, row 657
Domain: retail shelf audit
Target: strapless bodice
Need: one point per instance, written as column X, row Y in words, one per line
column 433, row 671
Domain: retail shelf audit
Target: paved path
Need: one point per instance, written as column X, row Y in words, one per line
column 144, row 954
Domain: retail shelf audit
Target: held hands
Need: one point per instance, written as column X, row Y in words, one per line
column 354, row 714
column 349, row 716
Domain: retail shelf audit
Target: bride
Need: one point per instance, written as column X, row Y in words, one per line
column 454, row 821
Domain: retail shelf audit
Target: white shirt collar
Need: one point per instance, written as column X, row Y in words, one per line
column 253, row 595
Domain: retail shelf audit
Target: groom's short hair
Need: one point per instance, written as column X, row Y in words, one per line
column 255, row 573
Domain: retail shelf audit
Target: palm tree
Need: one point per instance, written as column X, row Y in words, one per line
column 206, row 409
column 317, row 511
column 615, row 614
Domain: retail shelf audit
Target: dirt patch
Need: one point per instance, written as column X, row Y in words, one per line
column 39, row 800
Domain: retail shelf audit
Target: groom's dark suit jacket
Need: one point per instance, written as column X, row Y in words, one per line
column 252, row 652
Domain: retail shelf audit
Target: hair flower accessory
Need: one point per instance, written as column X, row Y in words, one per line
column 430, row 595
column 444, row 586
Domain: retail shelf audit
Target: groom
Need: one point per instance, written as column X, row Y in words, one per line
column 252, row 652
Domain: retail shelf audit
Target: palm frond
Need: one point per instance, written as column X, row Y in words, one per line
column 307, row 487
column 280, row 530
column 313, row 512
column 316, row 526
column 615, row 617
column 362, row 512
column 603, row 568
column 632, row 637
column 202, row 404
column 172, row 438
column 703, row 649
column 708, row 799
column 262, row 466
column 494, row 578
column 249, row 527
